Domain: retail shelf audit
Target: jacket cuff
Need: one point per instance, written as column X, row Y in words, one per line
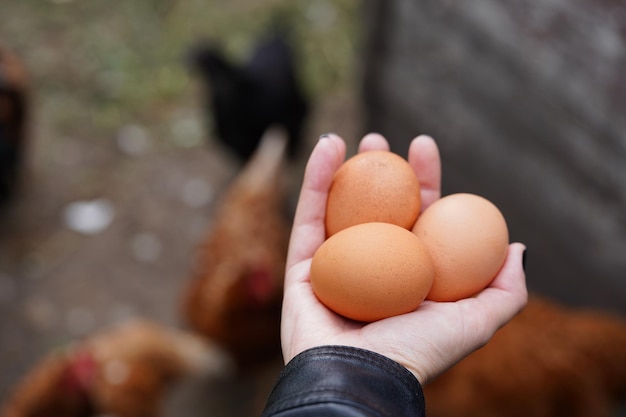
column 342, row 380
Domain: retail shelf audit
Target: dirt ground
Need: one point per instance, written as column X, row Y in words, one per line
column 117, row 123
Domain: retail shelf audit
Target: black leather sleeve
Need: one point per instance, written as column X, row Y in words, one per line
column 345, row 381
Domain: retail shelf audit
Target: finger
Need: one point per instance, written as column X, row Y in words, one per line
column 308, row 231
column 373, row 142
column 425, row 160
column 512, row 277
column 507, row 294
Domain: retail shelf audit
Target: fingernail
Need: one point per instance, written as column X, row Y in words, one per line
column 325, row 135
column 524, row 260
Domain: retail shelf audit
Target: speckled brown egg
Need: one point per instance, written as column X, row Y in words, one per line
column 372, row 271
column 373, row 186
column 467, row 238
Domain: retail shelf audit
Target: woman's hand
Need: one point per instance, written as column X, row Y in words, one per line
column 428, row 340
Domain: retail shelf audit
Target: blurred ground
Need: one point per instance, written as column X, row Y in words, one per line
column 117, row 122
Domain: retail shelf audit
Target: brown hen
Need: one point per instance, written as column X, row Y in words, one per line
column 548, row 361
column 124, row 371
column 235, row 295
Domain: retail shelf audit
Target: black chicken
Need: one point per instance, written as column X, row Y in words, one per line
column 247, row 99
column 13, row 114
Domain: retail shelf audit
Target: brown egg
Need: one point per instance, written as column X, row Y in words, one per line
column 373, row 186
column 372, row 271
column 467, row 238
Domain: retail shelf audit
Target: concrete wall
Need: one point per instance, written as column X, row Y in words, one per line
column 527, row 101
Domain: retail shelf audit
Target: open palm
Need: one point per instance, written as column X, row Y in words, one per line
column 426, row 341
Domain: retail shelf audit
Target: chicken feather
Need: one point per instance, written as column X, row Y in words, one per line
column 124, row 371
column 548, row 361
column 245, row 100
column 234, row 297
